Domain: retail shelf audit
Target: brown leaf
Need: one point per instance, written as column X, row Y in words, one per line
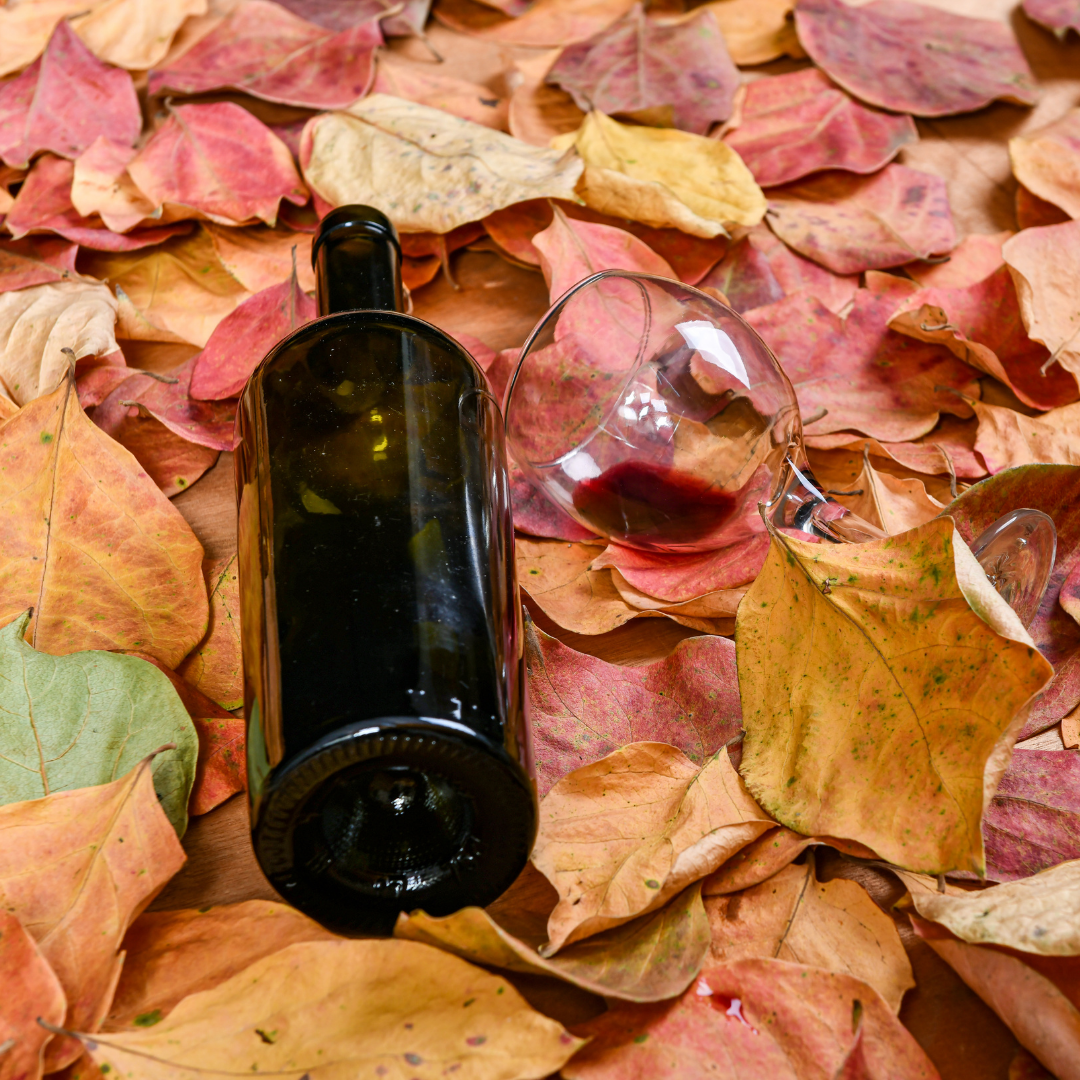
column 173, row 463
column 32, row 992
column 90, row 543
column 214, row 667
column 759, row 1018
column 662, row 824
column 788, row 126
column 1047, row 162
column 1007, row 438
column 757, row 31
column 172, row 954
column 911, row 58
column 870, row 680
column 547, row 22
column 583, row 708
column 99, row 856
column 892, row 504
column 416, row 82
column 976, row 257
column 538, row 111
column 850, row 223
column 259, row 257
column 649, row 959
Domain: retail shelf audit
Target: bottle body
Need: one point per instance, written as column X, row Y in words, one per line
column 388, row 752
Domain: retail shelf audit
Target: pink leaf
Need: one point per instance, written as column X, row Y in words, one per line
column 35, row 261
column 1057, row 15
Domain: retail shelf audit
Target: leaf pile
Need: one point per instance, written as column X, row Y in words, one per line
column 787, row 830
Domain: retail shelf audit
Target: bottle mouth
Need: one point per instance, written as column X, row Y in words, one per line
column 354, row 220
column 400, row 815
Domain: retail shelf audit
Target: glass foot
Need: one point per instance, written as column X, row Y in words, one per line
column 1017, row 552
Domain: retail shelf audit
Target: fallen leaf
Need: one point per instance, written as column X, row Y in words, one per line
column 28, row 262
column 102, row 854
column 221, row 770
column 975, row 258
column 1047, row 162
column 789, row 126
column 178, row 291
column 243, row 338
column 981, row 325
column 172, row 954
column 649, row 70
column 910, row 58
column 856, row 373
column 36, row 323
column 324, row 1008
column 402, row 78
column 266, row 51
column 650, row 959
column 134, row 34
column 755, row 1017
column 893, row 505
column 65, row 100
column 214, row 667
column 44, row 205
column 1033, row 821
column 583, row 708
column 1007, row 438
column 757, row 31
column 760, row 269
column 25, row 30
column 101, row 184
column 757, row 862
column 663, row 177
column 870, row 680
column 662, row 824
column 546, row 23
column 173, row 463
column 538, row 111
column 88, row 541
column 259, row 257
column 1044, row 262
column 446, row 171
column 220, row 161
column 850, row 223
column 341, row 14
column 1033, row 212
column 1057, row 15
column 32, row 993
column 833, row 925
column 87, row 718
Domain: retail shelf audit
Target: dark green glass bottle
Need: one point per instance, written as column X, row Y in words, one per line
column 388, row 751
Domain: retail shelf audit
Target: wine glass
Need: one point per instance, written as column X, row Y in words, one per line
column 656, row 416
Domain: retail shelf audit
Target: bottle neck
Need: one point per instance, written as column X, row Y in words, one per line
column 357, row 263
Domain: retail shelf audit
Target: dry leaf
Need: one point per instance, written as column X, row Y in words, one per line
column 1045, row 265
column 259, row 257
column 789, row 126
column 134, row 34
column 1007, row 438
column 173, row 463
column 178, row 291
column 832, row 925
column 758, row 861
column 37, row 323
column 219, row 161
column 401, row 78
column 850, row 223
column 859, row 667
column 583, row 708
column 105, row 560
column 663, row 177
column 672, row 74
column 102, row 854
column 548, row 22
column 214, row 667
column 101, row 184
column 426, row 169
column 754, row 1018
column 65, row 100
column 38, row 261
column 171, row 954
column 620, row 837
column 335, row 1008
column 221, row 770
column 538, row 111
column 1047, row 162
column 1057, row 15
column 757, row 31
column 976, row 257
column 911, row 58
column 32, row 992
column 892, row 504
column 650, row 959
column 25, row 29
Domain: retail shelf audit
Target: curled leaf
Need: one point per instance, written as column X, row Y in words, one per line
column 1047, row 162
column 757, row 31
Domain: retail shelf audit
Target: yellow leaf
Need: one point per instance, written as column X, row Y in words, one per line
column 621, row 836
column 25, row 29
column 832, row 925
column 215, row 667
column 664, row 177
column 134, row 34
column 426, row 169
column 879, row 706
column 889, row 502
column 756, row 31
column 335, row 1010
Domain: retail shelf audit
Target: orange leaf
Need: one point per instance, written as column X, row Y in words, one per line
column 215, row 666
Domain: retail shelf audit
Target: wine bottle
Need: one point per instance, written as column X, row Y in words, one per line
column 388, row 753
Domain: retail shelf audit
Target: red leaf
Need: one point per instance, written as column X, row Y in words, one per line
column 537, row 515
column 221, row 770
column 911, row 58
column 869, row 378
column 173, row 463
column 43, row 205
column 680, row 71
column 1033, row 822
column 851, row 223
column 583, row 708
column 341, row 14
column 34, row 262
column 219, row 160
column 1057, row 15
column 270, row 53
column 245, row 336
column 800, row 123
column 64, row 100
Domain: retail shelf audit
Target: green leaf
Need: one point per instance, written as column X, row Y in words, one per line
column 85, row 719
